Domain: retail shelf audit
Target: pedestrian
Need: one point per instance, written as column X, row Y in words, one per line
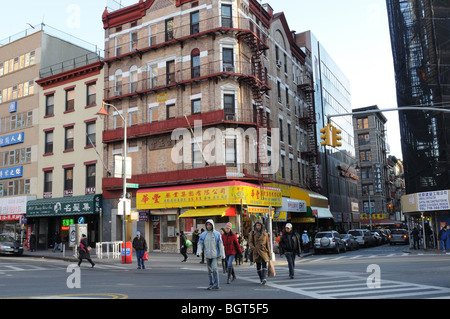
column 290, row 246
column 203, row 255
column 210, row 243
column 245, row 245
column 415, row 234
column 195, row 236
column 33, row 242
column 305, row 241
column 224, row 262
column 140, row 246
column 259, row 244
column 83, row 252
column 232, row 248
column 183, row 247
column 58, row 243
column 238, row 256
column 443, row 237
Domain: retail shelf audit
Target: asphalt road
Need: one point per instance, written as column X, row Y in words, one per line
column 373, row 273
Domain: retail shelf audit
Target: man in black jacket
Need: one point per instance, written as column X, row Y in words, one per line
column 140, row 245
column 290, row 246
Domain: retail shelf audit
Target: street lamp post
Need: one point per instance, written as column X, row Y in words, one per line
column 124, row 170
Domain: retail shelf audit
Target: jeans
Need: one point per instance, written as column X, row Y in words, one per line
column 57, row 246
column 139, row 256
column 213, row 274
column 290, row 257
column 230, row 259
column 443, row 244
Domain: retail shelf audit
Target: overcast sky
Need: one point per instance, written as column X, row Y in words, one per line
column 354, row 32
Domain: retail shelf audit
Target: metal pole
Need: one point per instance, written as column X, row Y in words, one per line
column 124, row 169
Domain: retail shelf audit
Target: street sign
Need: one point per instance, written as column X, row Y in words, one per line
column 132, row 185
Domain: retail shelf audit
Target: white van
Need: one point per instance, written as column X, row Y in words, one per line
column 362, row 236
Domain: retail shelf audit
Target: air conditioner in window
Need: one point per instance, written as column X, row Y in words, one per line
column 279, row 63
column 228, row 69
column 117, row 93
column 230, row 117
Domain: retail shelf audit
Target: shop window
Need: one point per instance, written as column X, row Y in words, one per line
column 169, row 229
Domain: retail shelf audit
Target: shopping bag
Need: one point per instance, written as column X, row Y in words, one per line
column 145, row 257
column 188, row 243
column 272, row 272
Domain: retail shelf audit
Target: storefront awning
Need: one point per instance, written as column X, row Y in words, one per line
column 311, row 198
column 214, row 194
column 66, row 206
column 212, row 211
column 322, row 212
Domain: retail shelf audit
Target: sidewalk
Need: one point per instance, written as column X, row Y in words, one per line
column 157, row 258
column 413, row 251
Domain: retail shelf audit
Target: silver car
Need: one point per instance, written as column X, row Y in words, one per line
column 399, row 236
column 329, row 240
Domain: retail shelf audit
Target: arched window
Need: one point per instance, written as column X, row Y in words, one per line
column 195, row 63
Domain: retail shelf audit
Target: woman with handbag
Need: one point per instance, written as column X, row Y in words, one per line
column 83, row 252
column 259, row 244
column 232, row 247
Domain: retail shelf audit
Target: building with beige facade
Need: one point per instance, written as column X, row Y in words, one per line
column 22, row 58
column 201, row 84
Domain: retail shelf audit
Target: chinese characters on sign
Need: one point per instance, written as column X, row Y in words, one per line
column 12, row 139
column 12, row 172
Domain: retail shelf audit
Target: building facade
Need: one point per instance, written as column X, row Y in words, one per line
column 420, row 47
column 234, row 66
column 23, row 57
column 332, row 96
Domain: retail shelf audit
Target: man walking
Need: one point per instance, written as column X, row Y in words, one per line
column 210, row 243
column 140, row 246
column 290, row 246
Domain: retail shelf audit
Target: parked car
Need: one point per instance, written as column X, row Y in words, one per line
column 384, row 234
column 350, row 242
column 377, row 237
column 9, row 246
column 399, row 236
column 363, row 237
column 329, row 240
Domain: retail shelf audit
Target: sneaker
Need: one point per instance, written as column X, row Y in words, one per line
column 209, row 288
column 139, row 267
column 215, row 288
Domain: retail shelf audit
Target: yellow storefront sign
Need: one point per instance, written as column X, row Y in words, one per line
column 217, row 194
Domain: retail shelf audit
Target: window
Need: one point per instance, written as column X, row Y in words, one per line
column 279, row 91
column 133, row 116
column 70, row 100
column 281, row 130
column 363, row 123
column 90, row 179
column 68, row 138
column 49, row 105
column 227, row 21
column 287, row 97
column 169, row 29
column 291, row 169
column 68, row 181
column 197, row 159
column 151, row 35
column 363, row 139
column 230, row 152
column 49, row 142
column 118, row 83
column 170, row 111
column 283, row 175
column 228, row 61
column 195, row 63
column 91, row 94
column 170, row 72
column 365, row 156
column 289, row 134
column 229, row 107
column 367, row 189
column 195, row 25
column 196, row 106
column 48, row 181
column 366, row 173
column 133, row 79
column 285, row 63
column 133, row 41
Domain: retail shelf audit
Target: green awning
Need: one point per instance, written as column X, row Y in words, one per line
column 66, row 206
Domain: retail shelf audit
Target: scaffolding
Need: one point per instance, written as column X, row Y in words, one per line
column 420, row 36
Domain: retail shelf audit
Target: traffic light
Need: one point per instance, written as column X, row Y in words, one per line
column 326, row 135
column 336, row 135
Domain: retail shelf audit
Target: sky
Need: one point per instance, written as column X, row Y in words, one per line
column 355, row 34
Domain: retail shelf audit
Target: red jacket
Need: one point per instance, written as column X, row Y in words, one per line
column 230, row 243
